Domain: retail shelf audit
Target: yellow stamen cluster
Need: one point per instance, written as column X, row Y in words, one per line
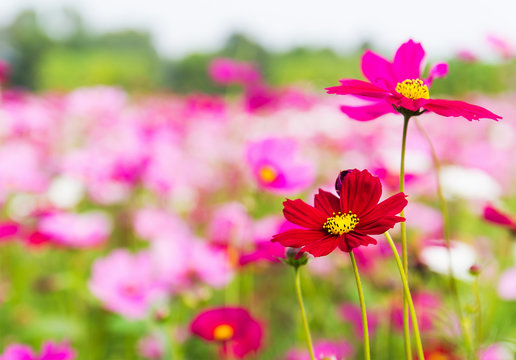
column 223, row 332
column 340, row 224
column 268, row 174
column 413, row 89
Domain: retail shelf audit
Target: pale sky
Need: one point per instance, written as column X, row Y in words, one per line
column 180, row 27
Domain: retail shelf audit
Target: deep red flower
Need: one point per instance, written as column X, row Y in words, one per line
column 399, row 84
column 345, row 222
column 233, row 327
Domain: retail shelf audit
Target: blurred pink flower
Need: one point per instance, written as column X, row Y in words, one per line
column 233, row 327
column 9, row 229
column 502, row 46
column 151, row 223
column 5, row 71
column 182, row 262
column 227, row 71
column 231, row 224
column 150, row 347
column 497, row 351
column 495, row 216
column 426, row 305
column 49, row 351
column 100, row 104
column 76, row 230
column 351, row 313
column 467, row 56
column 324, row 349
column 21, row 168
column 507, row 284
column 126, row 283
column 277, row 166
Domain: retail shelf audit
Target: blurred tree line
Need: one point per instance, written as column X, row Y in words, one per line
column 75, row 56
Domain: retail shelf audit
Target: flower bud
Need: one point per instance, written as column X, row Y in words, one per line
column 340, row 180
column 294, row 258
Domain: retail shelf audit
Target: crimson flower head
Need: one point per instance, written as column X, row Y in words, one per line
column 345, row 221
column 233, row 327
column 398, row 85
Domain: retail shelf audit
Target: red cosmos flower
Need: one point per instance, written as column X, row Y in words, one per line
column 345, row 222
column 233, row 327
column 399, row 84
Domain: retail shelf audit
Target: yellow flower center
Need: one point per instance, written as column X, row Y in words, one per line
column 438, row 356
column 341, row 223
column 413, row 89
column 268, row 174
column 223, row 332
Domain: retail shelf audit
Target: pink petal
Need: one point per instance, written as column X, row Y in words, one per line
column 358, row 87
column 437, row 70
column 368, row 112
column 378, row 70
column 459, row 108
column 407, row 61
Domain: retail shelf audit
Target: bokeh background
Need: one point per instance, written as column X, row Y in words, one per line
column 134, row 196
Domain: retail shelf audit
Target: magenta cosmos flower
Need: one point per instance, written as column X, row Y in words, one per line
column 399, row 85
column 49, row 351
column 345, row 222
column 232, row 327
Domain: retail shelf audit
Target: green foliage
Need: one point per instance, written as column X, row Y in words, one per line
column 63, row 69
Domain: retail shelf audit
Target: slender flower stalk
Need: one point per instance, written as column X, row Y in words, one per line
column 478, row 309
column 367, row 351
column 408, row 297
column 303, row 315
column 446, row 233
column 404, row 251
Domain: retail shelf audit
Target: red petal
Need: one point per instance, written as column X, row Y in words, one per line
column 459, row 108
column 378, row 70
column 407, row 61
column 495, row 216
column 389, row 207
column 358, row 87
column 322, row 247
column 353, row 239
column 379, row 226
column 298, row 237
column 360, row 192
column 368, row 112
column 327, row 203
column 300, row 213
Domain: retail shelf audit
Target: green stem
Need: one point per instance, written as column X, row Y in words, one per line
column 478, row 307
column 303, row 315
column 367, row 351
column 446, row 233
column 404, row 251
column 408, row 297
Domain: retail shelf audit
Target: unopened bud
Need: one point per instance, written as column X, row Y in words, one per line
column 295, row 258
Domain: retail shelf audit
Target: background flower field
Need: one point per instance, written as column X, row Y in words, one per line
column 139, row 192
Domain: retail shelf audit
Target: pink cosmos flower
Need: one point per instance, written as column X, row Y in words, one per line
column 230, row 225
column 228, row 71
column 276, row 166
column 501, row 45
column 233, row 327
column 76, row 230
column 126, row 283
column 324, row 349
column 49, row 351
column 398, row 84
